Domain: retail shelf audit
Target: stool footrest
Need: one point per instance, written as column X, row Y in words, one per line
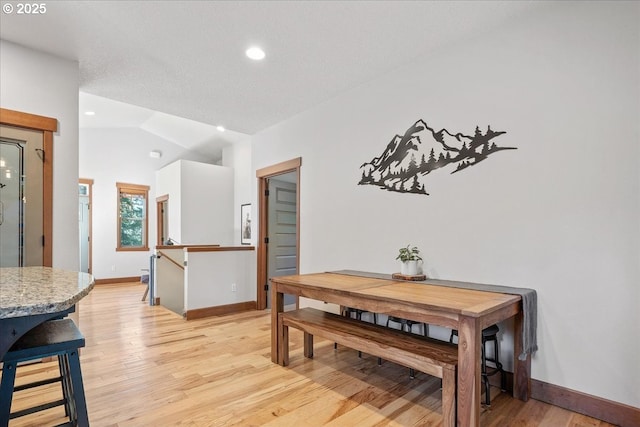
column 37, row 384
column 38, row 408
column 492, row 371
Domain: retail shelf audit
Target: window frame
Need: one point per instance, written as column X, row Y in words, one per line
column 134, row 190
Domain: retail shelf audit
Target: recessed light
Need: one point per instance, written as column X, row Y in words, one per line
column 255, row 53
column 89, row 113
column 220, row 128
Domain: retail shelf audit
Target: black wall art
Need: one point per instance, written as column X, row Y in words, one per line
column 408, row 158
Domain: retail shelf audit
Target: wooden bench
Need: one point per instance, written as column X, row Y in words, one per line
column 432, row 357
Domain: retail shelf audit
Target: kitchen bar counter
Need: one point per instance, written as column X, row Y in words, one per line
column 32, row 295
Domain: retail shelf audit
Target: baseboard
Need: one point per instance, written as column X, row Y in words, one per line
column 586, row 404
column 117, row 280
column 220, row 310
column 596, row 407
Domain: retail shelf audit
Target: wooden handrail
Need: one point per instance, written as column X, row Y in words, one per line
column 162, row 254
column 185, row 246
column 219, row 248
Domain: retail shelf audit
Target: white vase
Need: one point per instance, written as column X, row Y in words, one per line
column 409, row 268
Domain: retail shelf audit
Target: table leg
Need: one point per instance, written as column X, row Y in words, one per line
column 469, row 341
column 521, row 368
column 277, row 306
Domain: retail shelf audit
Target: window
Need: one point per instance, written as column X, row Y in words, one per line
column 132, row 217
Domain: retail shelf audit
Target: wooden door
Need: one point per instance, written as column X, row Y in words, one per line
column 162, row 223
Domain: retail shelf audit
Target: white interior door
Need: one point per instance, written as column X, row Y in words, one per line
column 282, row 252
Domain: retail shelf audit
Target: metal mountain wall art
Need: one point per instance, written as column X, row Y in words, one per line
column 409, row 158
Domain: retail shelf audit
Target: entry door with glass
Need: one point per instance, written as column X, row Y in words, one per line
column 21, row 202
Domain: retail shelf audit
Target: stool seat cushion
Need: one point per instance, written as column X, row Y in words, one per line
column 491, row 330
column 46, row 339
column 486, row 332
column 403, row 321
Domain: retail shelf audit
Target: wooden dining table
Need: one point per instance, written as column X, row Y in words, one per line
column 30, row 296
column 467, row 310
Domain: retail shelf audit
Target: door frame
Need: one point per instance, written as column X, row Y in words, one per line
column 46, row 125
column 89, row 183
column 160, row 218
column 263, row 175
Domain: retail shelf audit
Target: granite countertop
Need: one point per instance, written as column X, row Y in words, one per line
column 26, row 291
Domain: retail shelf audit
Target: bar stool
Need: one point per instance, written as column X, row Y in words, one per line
column 349, row 312
column 489, row 335
column 408, row 324
column 52, row 338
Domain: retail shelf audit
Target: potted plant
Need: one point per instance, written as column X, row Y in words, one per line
column 409, row 258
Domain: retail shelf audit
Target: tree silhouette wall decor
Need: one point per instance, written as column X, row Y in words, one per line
column 409, row 158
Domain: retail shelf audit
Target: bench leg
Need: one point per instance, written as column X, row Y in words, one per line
column 448, row 397
column 283, row 343
column 78, row 390
column 308, row 345
column 6, row 391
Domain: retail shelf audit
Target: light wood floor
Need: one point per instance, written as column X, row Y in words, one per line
column 146, row 366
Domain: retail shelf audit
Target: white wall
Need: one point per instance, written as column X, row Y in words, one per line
column 36, row 83
column 200, row 202
column 169, row 280
column 238, row 157
column 121, row 155
column 559, row 214
column 207, row 204
column 209, row 277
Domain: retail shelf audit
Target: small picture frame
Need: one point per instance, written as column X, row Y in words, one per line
column 245, row 224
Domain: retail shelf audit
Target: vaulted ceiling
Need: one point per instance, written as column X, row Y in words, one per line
column 186, row 58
